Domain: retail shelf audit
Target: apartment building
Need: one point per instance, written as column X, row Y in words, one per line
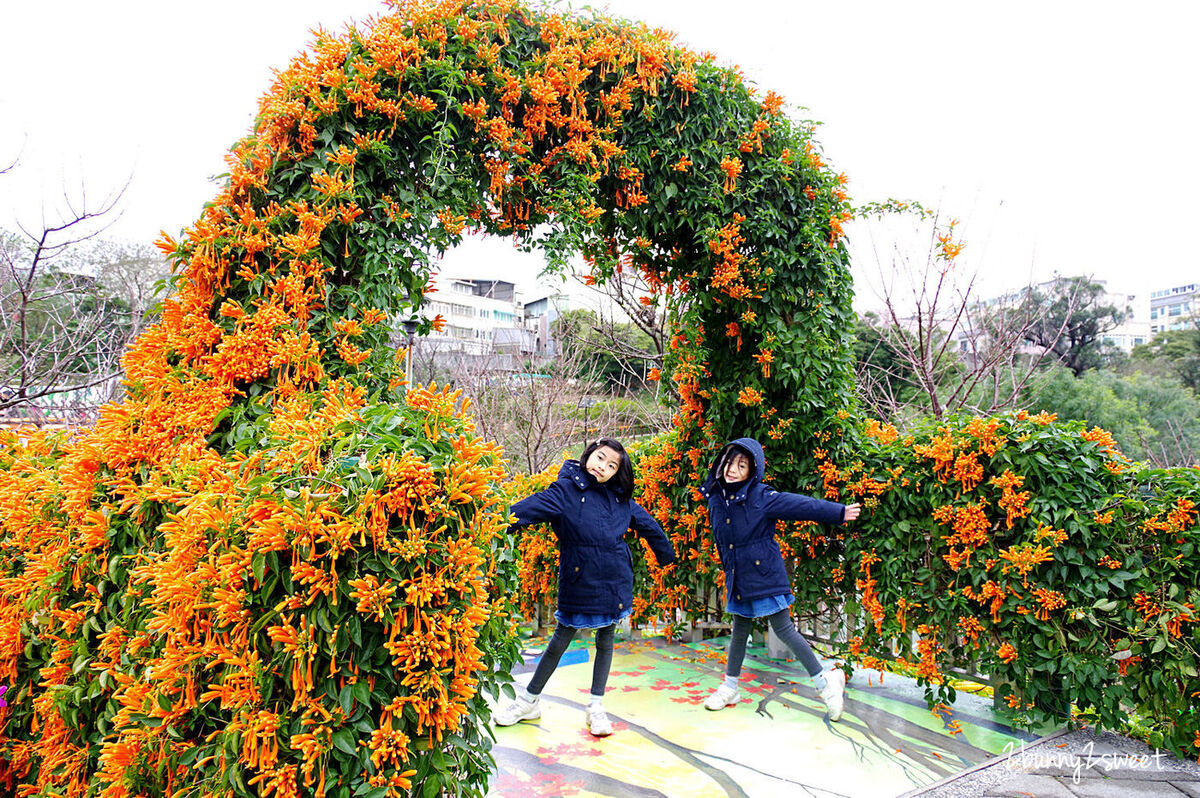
column 496, row 320
column 1174, row 308
column 1134, row 329
column 477, row 312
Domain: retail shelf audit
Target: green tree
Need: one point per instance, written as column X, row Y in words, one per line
column 1154, row 419
column 1171, row 352
column 1072, row 321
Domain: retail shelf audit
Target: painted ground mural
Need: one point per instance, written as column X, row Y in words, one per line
column 776, row 741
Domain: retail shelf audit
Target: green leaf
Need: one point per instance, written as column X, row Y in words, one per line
column 344, row 740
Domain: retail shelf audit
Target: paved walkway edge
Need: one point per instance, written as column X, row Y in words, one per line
column 981, row 766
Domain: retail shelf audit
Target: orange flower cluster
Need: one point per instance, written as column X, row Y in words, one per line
column 971, row 628
column 1103, row 439
column 765, row 358
column 948, row 247
column 929, row 650
column 728, row 276
column 1011, row 501
column 1172, row 620
column 970, row 526
column 750, row 397
column 991, row 593
column 866, row 584
column 1049, row 600
column 884, row 433
column 968, row 470
column 732, row 167
column 1023, row 558
column 192, row 638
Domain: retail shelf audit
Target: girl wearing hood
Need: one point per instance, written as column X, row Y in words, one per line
column 590, row 510
column 743, row 511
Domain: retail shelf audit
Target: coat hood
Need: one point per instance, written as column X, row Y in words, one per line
column 752, row 448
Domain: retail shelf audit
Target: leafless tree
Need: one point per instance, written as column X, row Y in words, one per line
column 69, row 304
column 632, row 300
column 537, row 408
column 953, row 351
column 1173, row 448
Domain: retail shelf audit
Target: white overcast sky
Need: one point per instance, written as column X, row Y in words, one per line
column 1063, row 134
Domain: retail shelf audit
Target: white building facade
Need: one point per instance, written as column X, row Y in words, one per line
column 1175, row 308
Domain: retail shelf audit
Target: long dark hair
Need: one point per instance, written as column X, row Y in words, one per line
column 623, row 479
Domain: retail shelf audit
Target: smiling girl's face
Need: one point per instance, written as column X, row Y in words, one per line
column 737, row 468
column 603, row 463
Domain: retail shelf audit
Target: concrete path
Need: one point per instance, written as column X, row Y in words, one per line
column 1078, row 764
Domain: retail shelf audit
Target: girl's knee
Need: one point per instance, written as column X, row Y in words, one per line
column 605, row 637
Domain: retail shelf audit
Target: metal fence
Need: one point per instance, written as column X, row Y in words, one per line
column 48, row 416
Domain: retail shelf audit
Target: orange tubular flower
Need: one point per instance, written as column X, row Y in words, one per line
column 732, row 167
column 765, row 358
column 750, row 397
column 1024, row 557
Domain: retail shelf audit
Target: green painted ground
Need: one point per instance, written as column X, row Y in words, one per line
column 776, row 741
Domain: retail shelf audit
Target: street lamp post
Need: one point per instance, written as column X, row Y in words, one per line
column 410, row 330
column 586, row 403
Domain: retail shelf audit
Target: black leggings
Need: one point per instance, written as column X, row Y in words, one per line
column 781, row 622
column 563, row 635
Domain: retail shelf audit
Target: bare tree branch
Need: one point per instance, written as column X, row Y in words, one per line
column 957, row 352
column 70, row 304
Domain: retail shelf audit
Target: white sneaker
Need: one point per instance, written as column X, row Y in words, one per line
column 518, row 711
column 722, row 697
column 598, row 723
column 834, row 692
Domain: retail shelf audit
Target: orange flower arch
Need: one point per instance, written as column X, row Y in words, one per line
column 271, row 568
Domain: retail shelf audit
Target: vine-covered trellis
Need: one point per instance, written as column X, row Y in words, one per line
column 276, row 568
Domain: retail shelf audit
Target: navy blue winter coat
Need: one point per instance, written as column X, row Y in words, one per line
column 744, row 526
column 590, row 519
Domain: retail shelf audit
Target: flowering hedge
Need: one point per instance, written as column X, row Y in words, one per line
column 1033, row 549
column 322, row 615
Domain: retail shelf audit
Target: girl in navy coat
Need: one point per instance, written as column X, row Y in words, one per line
column 590, row 510
column 743, row 511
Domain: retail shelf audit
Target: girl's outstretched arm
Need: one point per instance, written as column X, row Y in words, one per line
column 546, row 505
column 645, row 525
column 798, row 507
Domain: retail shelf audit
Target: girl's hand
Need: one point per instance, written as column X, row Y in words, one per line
column 851, row 512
